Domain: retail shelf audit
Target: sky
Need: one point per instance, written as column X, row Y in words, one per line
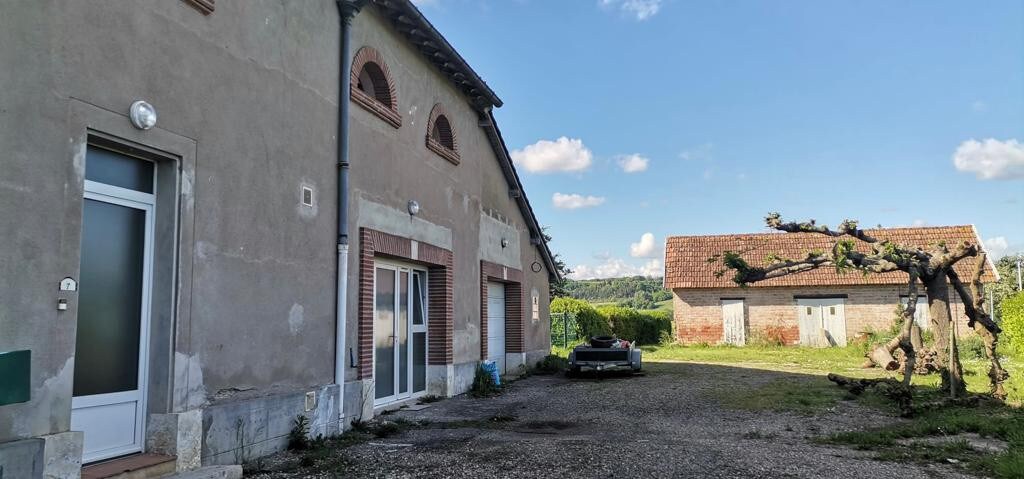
column 634, row 120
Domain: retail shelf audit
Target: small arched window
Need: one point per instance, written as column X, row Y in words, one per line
column 441, row 135
column 373, row 87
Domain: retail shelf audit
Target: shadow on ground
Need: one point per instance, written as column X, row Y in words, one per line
column 673, row 420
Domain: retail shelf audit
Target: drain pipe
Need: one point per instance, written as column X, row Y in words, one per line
column 346, row 11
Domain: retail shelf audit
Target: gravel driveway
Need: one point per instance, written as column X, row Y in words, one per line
column 669, row 422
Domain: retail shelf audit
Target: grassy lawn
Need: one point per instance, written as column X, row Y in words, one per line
column 915, row 440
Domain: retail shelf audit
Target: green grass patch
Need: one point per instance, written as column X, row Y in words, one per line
column 802, row 396
column 905, row 441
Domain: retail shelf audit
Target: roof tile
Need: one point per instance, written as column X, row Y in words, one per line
column 687, row 262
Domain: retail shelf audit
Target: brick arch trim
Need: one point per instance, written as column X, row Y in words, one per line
column 437, row 145
column 387, row 112
column 440, row 285
column 514, row 310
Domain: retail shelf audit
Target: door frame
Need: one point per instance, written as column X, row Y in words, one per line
column 398, row 267
column 146, row 202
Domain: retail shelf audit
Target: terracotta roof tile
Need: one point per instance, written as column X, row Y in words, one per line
column 687, row 266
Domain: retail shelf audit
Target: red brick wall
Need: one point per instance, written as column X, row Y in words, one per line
column 514, row 307
column 440, row 285
column 698, row 312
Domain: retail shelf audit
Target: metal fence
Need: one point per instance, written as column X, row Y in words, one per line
column 564, row 331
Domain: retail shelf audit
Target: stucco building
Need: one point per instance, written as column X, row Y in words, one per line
column 816, row 308
column 323, row 221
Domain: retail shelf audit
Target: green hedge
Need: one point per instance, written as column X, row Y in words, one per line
column 588, row 321
column 641, row 327
column 1013, row 321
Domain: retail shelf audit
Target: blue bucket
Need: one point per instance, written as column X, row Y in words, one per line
column 491, row 368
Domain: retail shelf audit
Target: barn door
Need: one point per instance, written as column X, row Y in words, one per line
column 833, row 317
column 809, row 316
column 733, row 323
column 822, row 322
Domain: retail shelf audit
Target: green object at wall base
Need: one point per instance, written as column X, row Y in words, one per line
column 15, row 371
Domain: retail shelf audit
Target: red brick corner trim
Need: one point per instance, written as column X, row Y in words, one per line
column 440, row 285
column 447, row 133
column 514, row 309
column 387, row 110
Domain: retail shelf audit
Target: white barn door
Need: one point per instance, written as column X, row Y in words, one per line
column 733, row 322
column 822, row 322
column 496, row 324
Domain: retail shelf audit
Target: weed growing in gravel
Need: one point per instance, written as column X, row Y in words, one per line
column 483, row 384
column 551, row 364
column 429, row 398
column 809, row 396
column 905, row 441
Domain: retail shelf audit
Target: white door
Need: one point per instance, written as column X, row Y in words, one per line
column 833, row 317
column 109, row 389
column 733, row 323
column 496, row 324
column 399, row 332
column 822, row 322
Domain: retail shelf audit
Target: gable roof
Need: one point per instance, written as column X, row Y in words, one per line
column 687, row 266
column 410, row 22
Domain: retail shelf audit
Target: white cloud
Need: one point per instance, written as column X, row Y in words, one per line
column 646, row 248
column 545, row 156
column 617, row 268
column 425, row 3
column 574, row 201
column 640, row 9
column 991, row 159
column 632, row 163
column 918, row 223
column 979, row 106
column 997, row 247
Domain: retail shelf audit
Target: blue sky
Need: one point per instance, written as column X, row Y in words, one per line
column 815, row 109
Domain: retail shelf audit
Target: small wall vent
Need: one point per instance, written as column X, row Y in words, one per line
column 307, row 196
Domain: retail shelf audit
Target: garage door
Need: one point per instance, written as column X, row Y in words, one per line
column 496, row 324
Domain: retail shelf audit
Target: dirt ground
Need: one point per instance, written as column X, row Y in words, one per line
column 675, row 420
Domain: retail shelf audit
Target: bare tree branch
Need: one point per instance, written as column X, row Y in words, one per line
column 847, row 228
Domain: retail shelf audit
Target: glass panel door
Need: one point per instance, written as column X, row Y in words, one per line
column 109, row 390
column 419, row 331
column 400, row 332
column 384, row 333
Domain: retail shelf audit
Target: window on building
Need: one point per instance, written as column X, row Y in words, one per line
column 373, row 82
column 372, row 86
column 441, row 135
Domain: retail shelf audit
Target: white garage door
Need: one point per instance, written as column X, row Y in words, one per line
column 496, row 324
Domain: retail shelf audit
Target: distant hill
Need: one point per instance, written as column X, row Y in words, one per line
column 638, row 292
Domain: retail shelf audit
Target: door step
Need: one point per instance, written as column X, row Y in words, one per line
column 135, row 466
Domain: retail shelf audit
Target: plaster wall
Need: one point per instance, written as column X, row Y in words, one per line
column 247, row 110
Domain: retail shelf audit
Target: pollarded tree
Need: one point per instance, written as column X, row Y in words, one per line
column 932, row 268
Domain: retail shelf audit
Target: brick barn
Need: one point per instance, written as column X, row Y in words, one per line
column 798, row 308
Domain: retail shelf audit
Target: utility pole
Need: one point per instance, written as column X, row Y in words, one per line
column 1019, row 261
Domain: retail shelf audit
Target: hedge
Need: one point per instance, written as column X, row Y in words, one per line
column 1013, row 321
column 588, row 321
column 641, row 327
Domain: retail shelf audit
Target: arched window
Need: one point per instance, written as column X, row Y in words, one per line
column 372, row 86
column 441, row 135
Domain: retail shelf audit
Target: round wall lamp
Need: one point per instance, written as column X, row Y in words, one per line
column 414, row 207
column 142, row 115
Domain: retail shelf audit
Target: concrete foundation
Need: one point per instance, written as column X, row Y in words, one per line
column 179, row 435
column 62, row 455
column 241, row 430
column 22, row 459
